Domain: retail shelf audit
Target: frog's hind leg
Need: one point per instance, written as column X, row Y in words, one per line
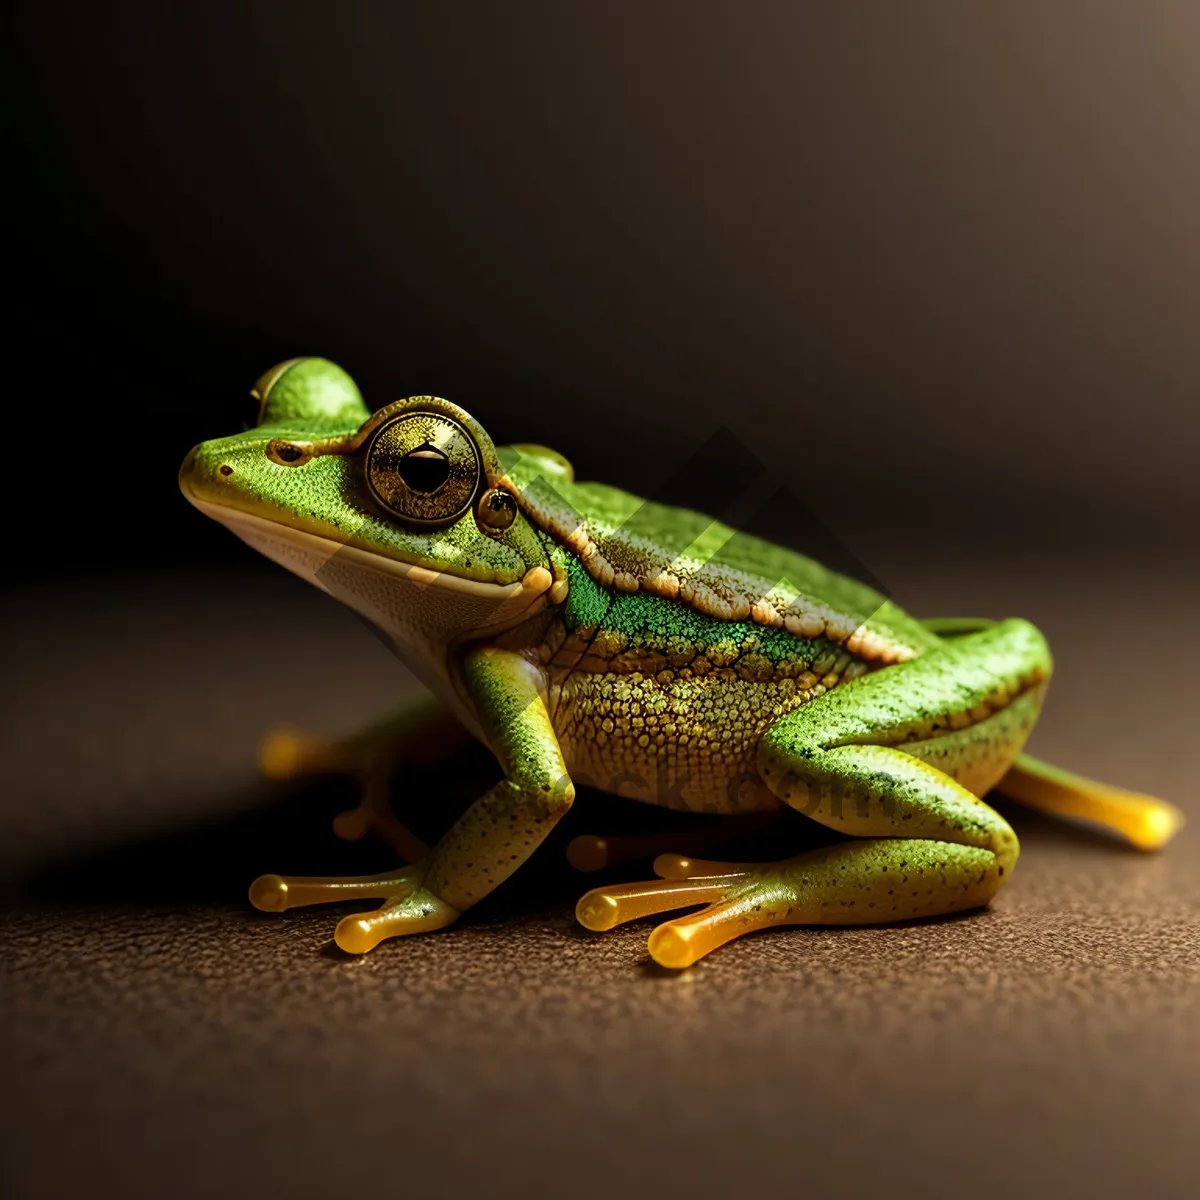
column 852, row 883
column 1144, row 821
column 423, row 732
column 875, row 759
column 942, row 850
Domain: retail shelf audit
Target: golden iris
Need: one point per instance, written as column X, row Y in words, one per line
column 423, row 467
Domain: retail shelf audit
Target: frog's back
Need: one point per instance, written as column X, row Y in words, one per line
column 630, row 545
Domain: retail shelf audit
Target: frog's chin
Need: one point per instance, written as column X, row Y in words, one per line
column 418, row 608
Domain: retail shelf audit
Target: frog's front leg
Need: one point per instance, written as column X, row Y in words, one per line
column 488, row 842
column 861, row 760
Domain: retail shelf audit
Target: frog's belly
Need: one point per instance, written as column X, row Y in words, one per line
column 681, row 743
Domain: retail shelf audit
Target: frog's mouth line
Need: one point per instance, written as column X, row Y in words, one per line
column 306, row 553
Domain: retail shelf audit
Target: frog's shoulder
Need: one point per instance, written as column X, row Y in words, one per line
column 628, row 544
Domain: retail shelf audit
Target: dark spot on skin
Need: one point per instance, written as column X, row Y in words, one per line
column 226, row 469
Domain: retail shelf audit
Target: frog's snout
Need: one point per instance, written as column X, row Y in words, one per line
column 186, row 471
column 201, row 475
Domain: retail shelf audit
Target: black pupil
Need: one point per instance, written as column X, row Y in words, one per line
column 424, row 469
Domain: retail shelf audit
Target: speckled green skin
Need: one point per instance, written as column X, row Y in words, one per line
column 873, row 724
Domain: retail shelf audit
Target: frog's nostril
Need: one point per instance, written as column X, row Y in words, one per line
column 226, row 469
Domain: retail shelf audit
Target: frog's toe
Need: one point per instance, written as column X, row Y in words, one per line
column 374, row 813
column 681, row 942
column 607, row 907
column 679, row 866
column 278, row 893
column 287, row 753
column 421, row 912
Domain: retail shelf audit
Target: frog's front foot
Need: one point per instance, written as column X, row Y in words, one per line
column 739, row 898
column 408, row 906
column 288, row 753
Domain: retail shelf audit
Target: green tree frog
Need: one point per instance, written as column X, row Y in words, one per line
column 586, row 635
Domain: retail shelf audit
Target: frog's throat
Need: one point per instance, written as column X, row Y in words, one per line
column 305, row 554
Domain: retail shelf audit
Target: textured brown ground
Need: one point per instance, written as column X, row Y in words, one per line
column 161, row 1039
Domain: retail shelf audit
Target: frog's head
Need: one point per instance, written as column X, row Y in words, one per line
column 405, row 514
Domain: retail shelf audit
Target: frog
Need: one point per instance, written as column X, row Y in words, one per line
column 588, row 636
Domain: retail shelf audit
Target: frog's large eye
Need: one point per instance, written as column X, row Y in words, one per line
column 424, row 467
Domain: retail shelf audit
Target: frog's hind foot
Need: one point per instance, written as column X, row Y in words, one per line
column 287, row 754
column 684, row 882
column 407, row 906
column 593, row 852
column 869, row 881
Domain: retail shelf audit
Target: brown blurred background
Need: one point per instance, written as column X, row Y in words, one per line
column 936, row 266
